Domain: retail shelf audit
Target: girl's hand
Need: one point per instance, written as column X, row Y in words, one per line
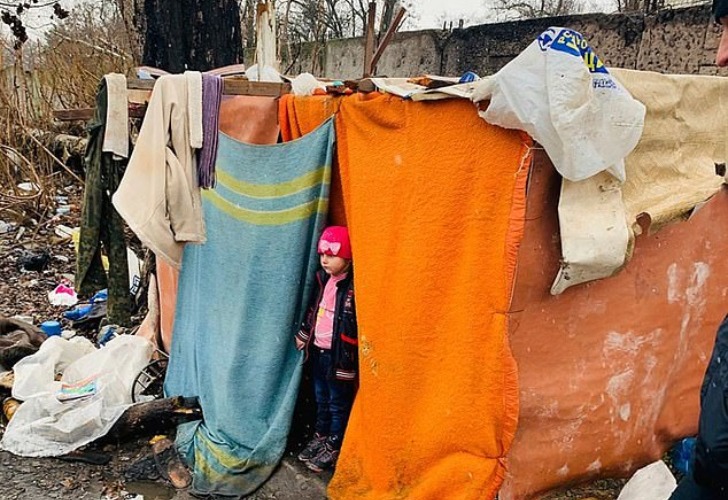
column 299, row 344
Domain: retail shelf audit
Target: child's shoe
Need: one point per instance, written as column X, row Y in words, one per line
column 313, row 448
column 326, row 459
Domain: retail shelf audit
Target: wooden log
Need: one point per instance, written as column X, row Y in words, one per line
column 155, row 417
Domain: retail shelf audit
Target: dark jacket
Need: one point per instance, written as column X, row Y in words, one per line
column 720, row 9
column 345, row 342
column 711, row 447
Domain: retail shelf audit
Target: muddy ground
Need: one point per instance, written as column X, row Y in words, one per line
column 33, row 231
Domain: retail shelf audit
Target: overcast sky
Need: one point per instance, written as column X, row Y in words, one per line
column 431, row 12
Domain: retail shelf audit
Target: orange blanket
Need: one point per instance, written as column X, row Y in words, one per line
column 300, row 115
column 435, row 200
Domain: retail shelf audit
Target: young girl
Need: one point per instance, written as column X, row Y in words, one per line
column 329, row 335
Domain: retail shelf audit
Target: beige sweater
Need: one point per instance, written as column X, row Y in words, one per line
column 159, row 196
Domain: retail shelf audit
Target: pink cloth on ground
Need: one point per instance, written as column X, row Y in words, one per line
column 325, row 313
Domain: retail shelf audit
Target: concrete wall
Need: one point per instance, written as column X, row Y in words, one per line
column 671, row 41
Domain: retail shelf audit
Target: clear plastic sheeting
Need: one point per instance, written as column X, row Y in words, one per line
column 560, row 92
column 96, row 385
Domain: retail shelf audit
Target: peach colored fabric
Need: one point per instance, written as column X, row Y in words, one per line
column 435, row 232
column 300, row 115
column 610, row 371
column 167, row 279
column 245, row 118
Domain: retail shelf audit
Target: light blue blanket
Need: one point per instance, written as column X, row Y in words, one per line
column 241, row 298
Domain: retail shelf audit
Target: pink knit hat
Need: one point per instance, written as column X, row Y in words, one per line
column 335, row 241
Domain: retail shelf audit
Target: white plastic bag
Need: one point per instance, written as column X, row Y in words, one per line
column 653, row 482
column 45, row 425
column 559, row 92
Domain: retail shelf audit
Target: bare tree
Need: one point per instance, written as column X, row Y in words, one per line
column 12, row 14
column 529, row 9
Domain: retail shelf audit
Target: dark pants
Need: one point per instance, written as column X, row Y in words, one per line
column 333, row 397
column 688, row 489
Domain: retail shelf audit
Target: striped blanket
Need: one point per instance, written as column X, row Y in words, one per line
column 241, row 296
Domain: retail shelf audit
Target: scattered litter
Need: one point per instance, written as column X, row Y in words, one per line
column 78, row 312
column 653, row 482
column 62, row 258
column 77, row 390
column 29, row 186
column 63, row 210
column 5, row 227
column 23, row 318
column 29, row 261
column 6, row 380
column 21, row 232
column 65, row 231
column 107, row 333
column 135, row 272
column 10, row 406
column 68, row 334
column 51, row 328
column 63, row 295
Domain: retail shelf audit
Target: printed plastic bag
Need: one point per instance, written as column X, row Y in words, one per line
column 561, row 93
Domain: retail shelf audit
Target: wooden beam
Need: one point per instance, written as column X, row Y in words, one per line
column 67, row 115
column 232, row 86
column 396, row 22
column 369, row 40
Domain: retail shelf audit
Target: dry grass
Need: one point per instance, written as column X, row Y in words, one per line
column 62, row 71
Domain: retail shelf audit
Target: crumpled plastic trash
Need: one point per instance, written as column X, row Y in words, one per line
column 30, row 261
column 306, row 84
column 653, row 482
column 83, row 310
column 63, row 295
column 264, row 74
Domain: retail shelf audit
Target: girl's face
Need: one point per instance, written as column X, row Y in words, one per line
column 333, row 265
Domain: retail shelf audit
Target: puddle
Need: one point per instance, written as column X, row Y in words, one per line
column 151, row 490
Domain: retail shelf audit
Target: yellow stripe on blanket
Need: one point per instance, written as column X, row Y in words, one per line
column 278, row 190
column 265, row 217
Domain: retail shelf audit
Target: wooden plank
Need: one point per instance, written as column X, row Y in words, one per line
column 387, row 38
column 232, row 86
column 67, row 115
column 242, row 86
column 369, row 40
column 85, row 114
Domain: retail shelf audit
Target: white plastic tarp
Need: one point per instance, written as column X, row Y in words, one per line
column 43, row 426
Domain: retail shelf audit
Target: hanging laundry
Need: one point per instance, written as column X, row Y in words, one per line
column 435, row 199
column 116, row 133
column 159, row 196
column 212, row 87
column 101, row 225
column 298, row 116
column 248, row 119
column 241, row 298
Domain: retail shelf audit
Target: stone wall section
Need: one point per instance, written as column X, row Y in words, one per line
column 671, row 41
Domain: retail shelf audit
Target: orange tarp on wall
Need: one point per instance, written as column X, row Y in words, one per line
column 435, row 204
column 610, row 371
